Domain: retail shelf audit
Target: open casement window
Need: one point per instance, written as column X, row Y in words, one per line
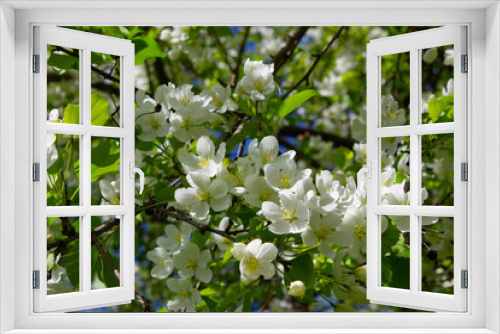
column 432, row 213
column 84, row 165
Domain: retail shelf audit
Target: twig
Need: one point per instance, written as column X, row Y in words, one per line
column 287, row 50
column 236, row 69
column 337, row 140
column 160, row 71
column 268, row 301
column 140, row 299
column 201, row 227
column 305, row 78
column 221, row 47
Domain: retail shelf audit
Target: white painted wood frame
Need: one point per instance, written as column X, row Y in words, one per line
column 414, row 43
column 87, row 43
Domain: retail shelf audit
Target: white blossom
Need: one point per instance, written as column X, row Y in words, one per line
column 258, row 82
column 256, row 259
column 163, row 262
column 259, row 191
column 110, row 191
column 290, row 216
column 190, row 261
column 322, row 229
column 221, row 99
column 208, row 161
column 153, row 122
column 187, row 296
column 176, row 239
column 203, row 195
column 297, row 289
column 51, row 149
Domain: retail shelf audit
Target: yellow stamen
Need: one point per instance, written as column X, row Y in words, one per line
column 258, row 86
column 266, row 157
column 154, row 122
column 359, row 231
column 253, row 264
column 192, row 265
column 286, row 179
column 265, row 195
column 288, row 214
column 204, row 162
column 217, row 102
column 177, row 238
column 203, row 195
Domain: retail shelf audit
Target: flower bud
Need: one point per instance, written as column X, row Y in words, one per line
column 360, row 273
column 297, row 289
column 430, row 55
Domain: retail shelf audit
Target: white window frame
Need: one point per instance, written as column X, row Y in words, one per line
column 413, row 44
column 483, row 20
column 87, row 43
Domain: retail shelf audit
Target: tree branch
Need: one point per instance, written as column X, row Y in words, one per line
column 287, row 50
column 236, row 69
column 160, row 72
column 338, row 141
column 141, row 300
column 201, row 227
column 225, row 56
column 306, row 76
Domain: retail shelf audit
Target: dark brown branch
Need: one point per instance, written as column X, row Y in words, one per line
column 338, row 141
column 201, row 227
column 236, row 69
column 106, row 226
column 140, row 299
column 306, row 76
column 160, row 72
column 268, row 301
column 287, row 50
column 225, row 56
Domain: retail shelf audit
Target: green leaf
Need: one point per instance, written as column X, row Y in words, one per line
column 341, row 156
column 146, row 47
column 71, row 114
column 97, row 171
column 400, row 267
column 211, row 304
column 165, row 195
column 246, row 106
column 390, row 237
column 62, row 61
column 99, row 110
column 50, row 260
column 294, row 101
column 273, row 107
column 222, row 31
column 228, row 255
column 302, row 269
column 247, row 303
column 435, row 108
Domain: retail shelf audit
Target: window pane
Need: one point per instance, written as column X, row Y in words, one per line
column 105, row 252
column 437, row 85
column 63, row 255
column 395, row 89
column 437, row 255
column 63, row 85
column 437, row 169
column 105, row 100
column 63, row 161
column 395, row 171
column 105, row 169
column 395, row 251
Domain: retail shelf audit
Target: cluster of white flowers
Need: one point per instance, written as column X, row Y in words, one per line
column 177, row 252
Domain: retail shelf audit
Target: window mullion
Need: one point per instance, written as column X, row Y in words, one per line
column 414, row 171
column 85, row 175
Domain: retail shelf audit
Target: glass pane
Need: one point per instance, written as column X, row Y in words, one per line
column 395, row 251
column 395, row 90
column 63, row 172
column 437, row 85
column 395, row 171
column 63, row 71
column 105, row 169
column 105, row 253
column 105, row 99
column 437, row 255
column 63, row 255
column 437, row 169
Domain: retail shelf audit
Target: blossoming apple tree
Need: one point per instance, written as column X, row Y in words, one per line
column 251, row 139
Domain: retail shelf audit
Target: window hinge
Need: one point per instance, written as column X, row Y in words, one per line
column 464, row 171
column 36, row 279
column 36, row 63
column 464, row 279
column 465, row 63
column 36, row 172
